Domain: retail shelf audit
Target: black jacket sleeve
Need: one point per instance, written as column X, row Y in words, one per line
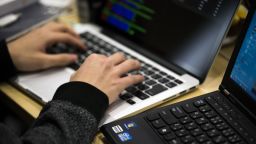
column 7, row 67
column 71, row 118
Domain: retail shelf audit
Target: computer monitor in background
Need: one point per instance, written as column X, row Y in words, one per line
column 8, row 6
column 88, row 9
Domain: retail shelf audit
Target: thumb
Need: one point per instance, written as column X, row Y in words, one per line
column 58, row 60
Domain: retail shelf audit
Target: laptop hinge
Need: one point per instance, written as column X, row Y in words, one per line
column 226, row 92
column 237, row 103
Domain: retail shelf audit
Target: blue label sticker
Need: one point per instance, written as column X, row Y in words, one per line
column 130, row 125
column 125, row 137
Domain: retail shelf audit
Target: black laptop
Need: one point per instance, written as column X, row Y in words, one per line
column 227, row 116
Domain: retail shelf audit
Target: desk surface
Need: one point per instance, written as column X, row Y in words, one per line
column 211, row 83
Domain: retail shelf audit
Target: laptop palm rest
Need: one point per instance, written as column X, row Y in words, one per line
column 45, row 83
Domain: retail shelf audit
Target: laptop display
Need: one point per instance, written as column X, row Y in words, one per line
column 184, row 33
column 243, row 72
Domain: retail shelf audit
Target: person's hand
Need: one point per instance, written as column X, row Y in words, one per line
column 28, row 52
column 107, row 74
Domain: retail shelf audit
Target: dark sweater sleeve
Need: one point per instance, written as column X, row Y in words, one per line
column 71, row 118
column 7, row 67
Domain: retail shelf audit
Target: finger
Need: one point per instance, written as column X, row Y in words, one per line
column 66, row 38
column 127, row 66
column 63, row 28
column 117, row 58
column 58, row 60
column 130, row 80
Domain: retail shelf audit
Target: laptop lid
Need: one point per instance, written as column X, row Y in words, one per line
column 240, row 77
column 184, row 33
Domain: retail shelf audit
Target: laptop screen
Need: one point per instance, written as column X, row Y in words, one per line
column 244, row 70
column 186, row 33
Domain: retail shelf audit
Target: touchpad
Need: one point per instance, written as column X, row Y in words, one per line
column 44, row 84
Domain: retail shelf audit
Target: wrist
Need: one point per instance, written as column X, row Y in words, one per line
column 85, row 96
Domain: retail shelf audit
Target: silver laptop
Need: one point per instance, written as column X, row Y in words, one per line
column 33, row 14
column 176, row 42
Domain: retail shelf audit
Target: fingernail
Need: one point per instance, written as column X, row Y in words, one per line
column 73, row 57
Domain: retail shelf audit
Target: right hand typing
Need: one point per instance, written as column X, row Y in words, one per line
column 106, row 74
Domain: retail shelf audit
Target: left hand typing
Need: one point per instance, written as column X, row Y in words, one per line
column 28, row 52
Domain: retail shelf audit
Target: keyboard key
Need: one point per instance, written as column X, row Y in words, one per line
column 156, row 89
column 196, row 115
column 191, row 126
column 181, row 132
column 148, row 72
column 153, row 116
column 142, row 87
column 158, row 123
column 219, row 139
column 202, row 138
column 196, row 132
column 207, row 126
column 201, row 121
column 176, row 126
column 169, row 136
column 156, row 76
column 189, row 108
column 222, row 126
column 234, row 138
column 185, row 120
column 175, row 141
column 163, row 80
column 150, row 82
column 216, row 120
column 163, row 73
column 131, row 89
column 140, row 95
column 171, row 84
column 170, row 77
column 131, row 101
column 178, row 112
column 168, row 117
column 210, row 114
column 228, row 132
column 164, row 130
column 126, row 96
column 178, row 81
column 213, row 133
column 208, row 142
column 187, row 139
column 199, row 103
column 205, row 108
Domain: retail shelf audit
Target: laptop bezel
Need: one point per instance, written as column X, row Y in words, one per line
column 233, row 88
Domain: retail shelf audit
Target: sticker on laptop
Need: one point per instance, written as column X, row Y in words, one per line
column 117, row 129
column 130, row 125
column 124, row 137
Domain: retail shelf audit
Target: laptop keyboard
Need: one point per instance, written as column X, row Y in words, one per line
column 209, row 120
column 156, row 81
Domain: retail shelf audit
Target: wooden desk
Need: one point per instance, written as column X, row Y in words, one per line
column 212, row 82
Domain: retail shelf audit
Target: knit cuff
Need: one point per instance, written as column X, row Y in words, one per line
column 84, row 95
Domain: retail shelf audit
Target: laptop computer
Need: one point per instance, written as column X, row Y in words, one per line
column 33, row 14
column 225, row 116
column 176, row 42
